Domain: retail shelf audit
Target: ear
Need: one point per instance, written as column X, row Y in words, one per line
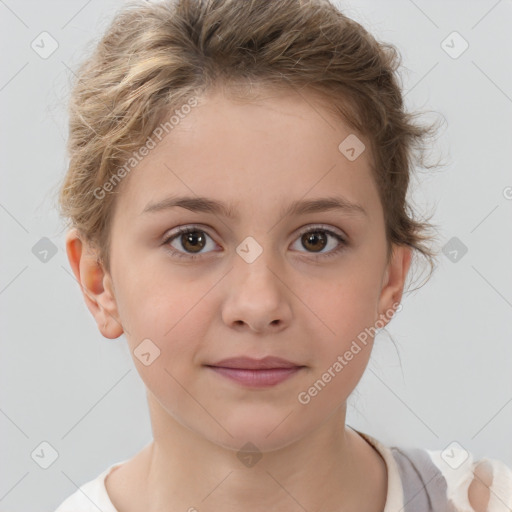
column 95, row 283
column 393, row 282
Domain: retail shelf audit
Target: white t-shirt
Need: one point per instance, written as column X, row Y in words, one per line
column 419, row 480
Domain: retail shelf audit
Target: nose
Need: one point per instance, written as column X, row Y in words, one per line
column 258, row 298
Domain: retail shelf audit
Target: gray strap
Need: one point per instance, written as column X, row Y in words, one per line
column 423, row 484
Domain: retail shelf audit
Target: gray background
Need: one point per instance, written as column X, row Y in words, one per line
column 451, row 378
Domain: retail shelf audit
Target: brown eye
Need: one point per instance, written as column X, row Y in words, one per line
column 314, row 240
column 189, row 243
column 193, row 241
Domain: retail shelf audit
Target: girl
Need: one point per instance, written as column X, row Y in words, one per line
column 213, row 144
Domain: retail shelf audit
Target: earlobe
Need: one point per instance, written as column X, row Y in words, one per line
column 95, row 284
column 393, row 282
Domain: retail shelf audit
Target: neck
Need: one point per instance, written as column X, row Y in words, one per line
column 327, row 470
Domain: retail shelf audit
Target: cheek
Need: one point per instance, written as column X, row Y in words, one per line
column 172, row 314
column 155, row 301
column 342, row 353
column 344, row 307
column 164, row 342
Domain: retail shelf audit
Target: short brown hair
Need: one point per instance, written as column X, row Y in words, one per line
column 154, row 56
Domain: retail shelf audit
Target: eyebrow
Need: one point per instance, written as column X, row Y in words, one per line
column 206, row 205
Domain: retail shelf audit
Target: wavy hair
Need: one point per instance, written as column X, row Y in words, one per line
column 154, row 57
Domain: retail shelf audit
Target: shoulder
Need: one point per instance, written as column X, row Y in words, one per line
column 77, row 502
column 453, row 480
column 91, row 496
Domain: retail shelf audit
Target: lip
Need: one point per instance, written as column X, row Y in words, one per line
column 257, row 378
column 258, row 373
column 248, row 363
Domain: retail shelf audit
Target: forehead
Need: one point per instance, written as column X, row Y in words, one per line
column 277, row 147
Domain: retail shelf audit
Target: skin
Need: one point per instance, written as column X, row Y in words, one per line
column 290, row 302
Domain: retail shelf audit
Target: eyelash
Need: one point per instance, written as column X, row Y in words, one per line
column 191, row 229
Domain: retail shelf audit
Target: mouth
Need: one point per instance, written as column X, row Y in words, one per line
column 249, row 363
column 256, row 373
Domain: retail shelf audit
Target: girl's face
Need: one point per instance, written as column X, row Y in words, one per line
column 265, row 280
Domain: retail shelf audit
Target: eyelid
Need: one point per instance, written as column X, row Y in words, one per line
column 186, row 227
column 175, row 232
column 304, row 229
column 323, row 227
